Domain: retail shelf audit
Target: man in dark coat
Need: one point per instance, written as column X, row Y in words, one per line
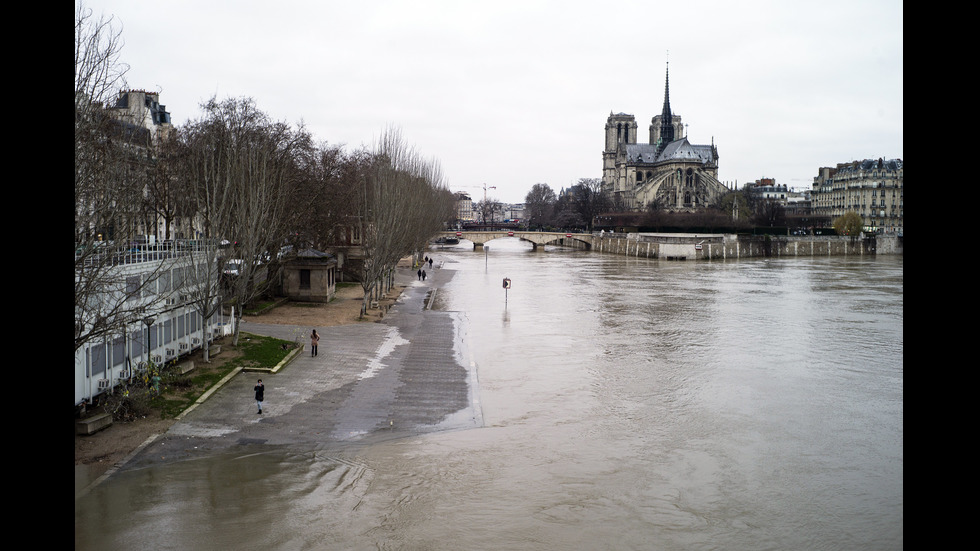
column 259, row 395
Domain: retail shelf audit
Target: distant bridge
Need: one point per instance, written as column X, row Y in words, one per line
column 538, row 239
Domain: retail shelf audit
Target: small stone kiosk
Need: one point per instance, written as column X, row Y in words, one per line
column 310, row 276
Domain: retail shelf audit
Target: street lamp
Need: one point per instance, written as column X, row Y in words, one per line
column 148, row 320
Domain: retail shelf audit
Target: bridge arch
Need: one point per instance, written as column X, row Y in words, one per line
column 537, row 239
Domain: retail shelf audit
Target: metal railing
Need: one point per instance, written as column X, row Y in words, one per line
column 134, row 253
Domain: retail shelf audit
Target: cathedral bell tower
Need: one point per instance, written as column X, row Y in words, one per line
column 620, row 131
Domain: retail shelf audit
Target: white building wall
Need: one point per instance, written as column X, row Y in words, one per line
column 176, row 331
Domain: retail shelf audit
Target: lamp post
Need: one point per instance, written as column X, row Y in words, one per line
column 148, row 321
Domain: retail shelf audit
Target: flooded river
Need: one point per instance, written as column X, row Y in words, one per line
column 626, row 404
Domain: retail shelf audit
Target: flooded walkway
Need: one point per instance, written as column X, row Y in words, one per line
column 370, row 381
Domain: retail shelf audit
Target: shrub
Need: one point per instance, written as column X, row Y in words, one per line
column 129, row 403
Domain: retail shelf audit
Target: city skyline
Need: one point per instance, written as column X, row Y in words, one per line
column 511, row 94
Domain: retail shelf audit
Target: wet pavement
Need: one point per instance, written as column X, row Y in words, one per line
column 405, row 375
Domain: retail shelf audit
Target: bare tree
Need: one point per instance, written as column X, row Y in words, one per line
column 205, row 159
column 114, row 285
column 436, row 206
column 322, row 201
column 269, row 166
column 242, row 165
column 589, row 200
column 539, row 205
column 168, row 195
column 396, row 209
column 566, row 214
column 99, row 73
column 488, row 209
column 769, row 212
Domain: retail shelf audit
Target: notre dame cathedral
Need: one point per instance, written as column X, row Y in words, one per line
column 668, row 173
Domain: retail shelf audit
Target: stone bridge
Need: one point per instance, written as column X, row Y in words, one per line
column 538, row 239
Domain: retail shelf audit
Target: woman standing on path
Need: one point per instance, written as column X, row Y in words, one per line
column 314, row 341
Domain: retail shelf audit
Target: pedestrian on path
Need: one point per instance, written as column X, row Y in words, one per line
column 314, row 341
column 260, row 395
column 423, row 275
column 420, row 274
column 430, row 263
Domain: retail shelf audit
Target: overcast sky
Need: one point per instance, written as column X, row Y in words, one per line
column 512, row 93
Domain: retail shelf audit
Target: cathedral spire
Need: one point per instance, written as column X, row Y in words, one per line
column 666, row 118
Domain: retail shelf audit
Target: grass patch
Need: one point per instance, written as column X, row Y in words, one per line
column 261, row 351
column 256, row 308
column 260, row 307
column 180, row 391
column 170, row 408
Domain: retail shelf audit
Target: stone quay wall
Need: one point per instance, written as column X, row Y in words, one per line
column 730, row 246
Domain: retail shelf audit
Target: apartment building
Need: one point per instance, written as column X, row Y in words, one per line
column 873, row 188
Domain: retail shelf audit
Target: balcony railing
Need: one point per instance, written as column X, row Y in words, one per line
column 115, row 255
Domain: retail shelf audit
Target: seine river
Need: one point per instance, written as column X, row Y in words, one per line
column 627, row 404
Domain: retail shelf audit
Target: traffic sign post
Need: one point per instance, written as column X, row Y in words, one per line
column 506, row 288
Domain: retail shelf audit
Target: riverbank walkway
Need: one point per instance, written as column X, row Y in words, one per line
column 398, row 377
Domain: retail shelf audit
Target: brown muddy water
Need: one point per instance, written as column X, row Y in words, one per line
column 626, row 404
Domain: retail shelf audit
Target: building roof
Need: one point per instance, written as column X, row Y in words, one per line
column 158, row 113
column 678, row 150
column 310, row 258
column 640, row 153
column 313, row 253
column 683, row 150
column 871, row 164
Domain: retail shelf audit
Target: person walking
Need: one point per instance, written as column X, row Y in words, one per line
column 420, row 274
column 423, row 275
column 430, row 263
column 260, row 395
column 314, row 341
